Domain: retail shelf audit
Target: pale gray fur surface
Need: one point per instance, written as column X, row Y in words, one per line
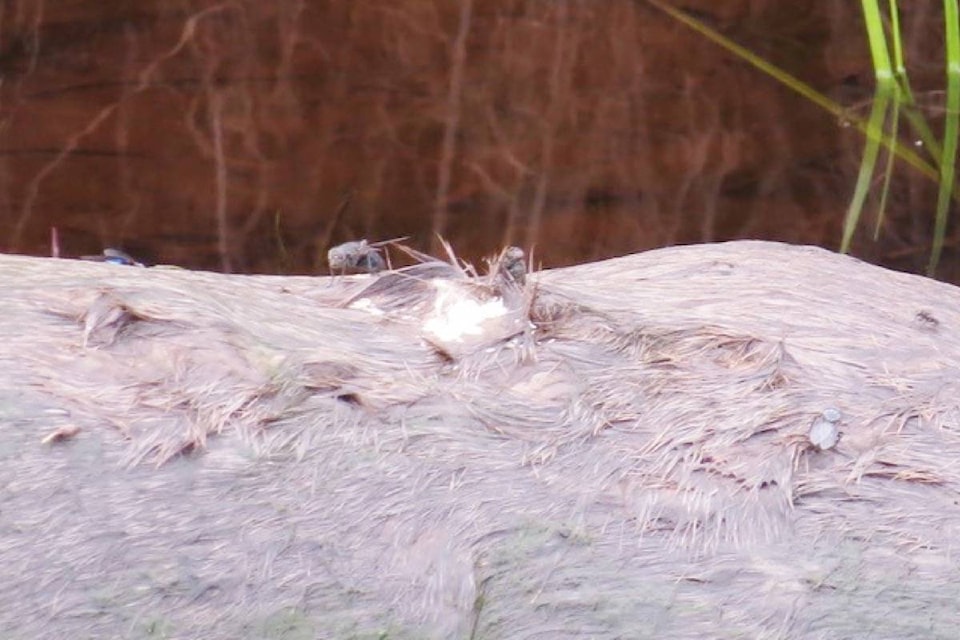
column 624, row 453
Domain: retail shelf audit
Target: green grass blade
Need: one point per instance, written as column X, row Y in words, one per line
column 868, row 162
column 886, row 76
column 888, row 169
column 911, row 112
column 902, row 151
column 892, row 84
column 882, row 68
column 928, row 141
column 950, row 129
column 899, row 67
column 914, row 116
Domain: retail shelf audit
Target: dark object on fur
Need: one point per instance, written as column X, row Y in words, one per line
column 355, row 257
column 511, row 265
column 629, row 459
column 114, row 256
column 359, row 257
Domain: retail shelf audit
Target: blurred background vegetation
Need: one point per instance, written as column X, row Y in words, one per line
column 248, row 136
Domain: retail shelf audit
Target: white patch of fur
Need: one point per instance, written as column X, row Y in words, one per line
column 366, row 304
column 457, row 314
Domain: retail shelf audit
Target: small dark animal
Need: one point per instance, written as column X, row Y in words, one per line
column 358, row 257
column 511, row 265
column 926, row 320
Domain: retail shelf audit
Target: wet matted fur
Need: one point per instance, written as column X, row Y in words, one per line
column 623, row 456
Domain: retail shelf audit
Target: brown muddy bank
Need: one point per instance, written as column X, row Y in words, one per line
column 634, row 464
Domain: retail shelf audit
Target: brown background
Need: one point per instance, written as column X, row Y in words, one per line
column 249, row 136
